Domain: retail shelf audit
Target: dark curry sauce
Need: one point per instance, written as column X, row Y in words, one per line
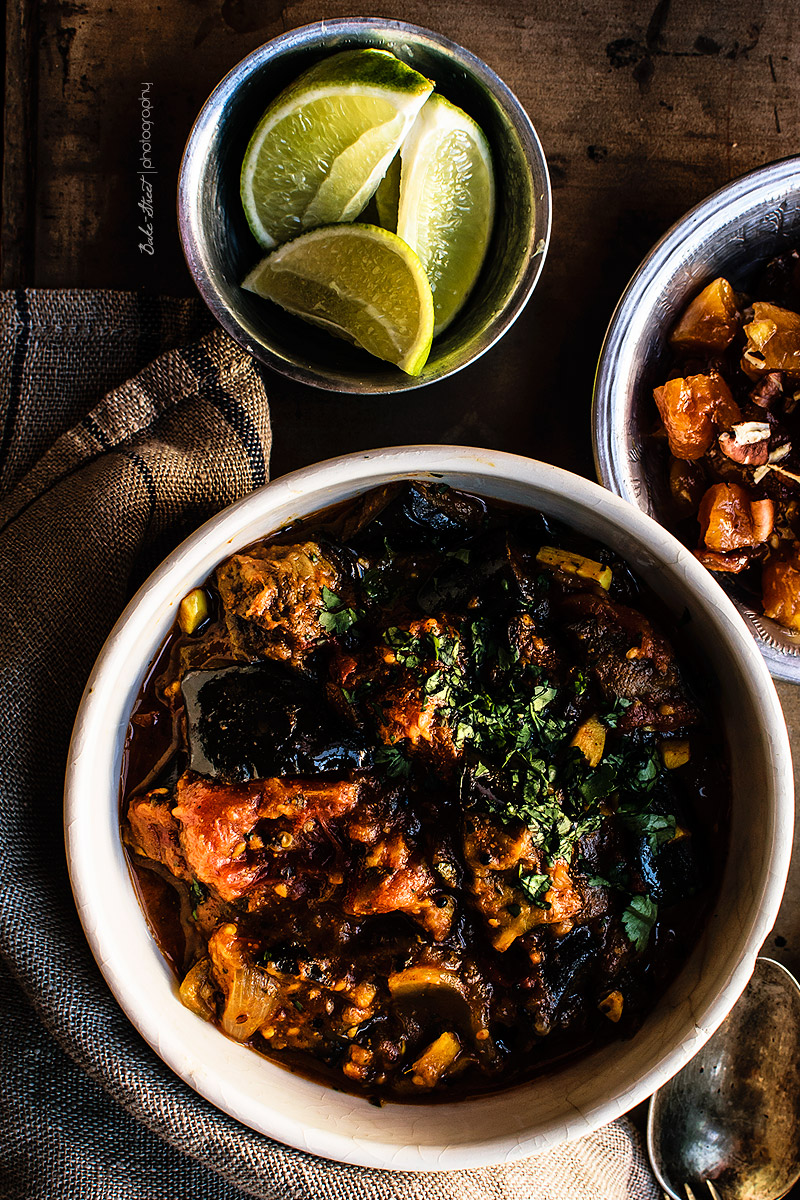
column 418, row 799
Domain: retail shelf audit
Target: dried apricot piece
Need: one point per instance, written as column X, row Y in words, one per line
column 731, row 520
column 773, row 341
column 780, row 589
column 711, row 320
column 693, row 409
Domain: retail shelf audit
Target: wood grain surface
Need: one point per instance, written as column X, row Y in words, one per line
column 642, row 108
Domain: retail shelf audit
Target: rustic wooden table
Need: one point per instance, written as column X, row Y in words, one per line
column 643, row 109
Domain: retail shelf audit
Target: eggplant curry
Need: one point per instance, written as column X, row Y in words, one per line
column 417, row 798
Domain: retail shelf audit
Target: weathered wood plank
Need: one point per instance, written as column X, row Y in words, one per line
column 19, row 133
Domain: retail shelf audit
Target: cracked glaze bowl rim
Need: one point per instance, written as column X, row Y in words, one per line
column 739, row 226
column 527, row 1118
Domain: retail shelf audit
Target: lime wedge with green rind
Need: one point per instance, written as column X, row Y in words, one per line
column 387, row 197
column 359, row 282
column 322, row 147
column 447, row 199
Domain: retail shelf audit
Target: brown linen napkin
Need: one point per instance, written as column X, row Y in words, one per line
column 93, row 492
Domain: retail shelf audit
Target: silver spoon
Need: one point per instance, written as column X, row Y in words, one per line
column 732, row 1115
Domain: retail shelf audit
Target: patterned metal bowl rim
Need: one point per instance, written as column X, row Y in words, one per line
column 614, row 455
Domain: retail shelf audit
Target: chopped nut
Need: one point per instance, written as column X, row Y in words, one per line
column 748, row 444
column 747, row 433
column 767, row 390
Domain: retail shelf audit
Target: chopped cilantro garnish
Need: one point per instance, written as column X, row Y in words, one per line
column 542, row 696
column 198, row 894
column 638, row 920
column 393, row 761
column 612, row 715
column 536, row 888
column 407, row 648
column 335, row 617
column 512, row 720
column 656, row 827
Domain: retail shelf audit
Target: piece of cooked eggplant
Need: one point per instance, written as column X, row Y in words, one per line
column 668, row 863
column 569, row 958
column 423, row 514
column 259, row 721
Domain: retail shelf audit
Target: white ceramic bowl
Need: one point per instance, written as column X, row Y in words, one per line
column 530, row 1117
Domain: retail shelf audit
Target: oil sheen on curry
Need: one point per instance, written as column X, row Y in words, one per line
column 418, row 800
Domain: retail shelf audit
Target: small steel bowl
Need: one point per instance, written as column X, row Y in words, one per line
column 220, row 248
column 732, row 233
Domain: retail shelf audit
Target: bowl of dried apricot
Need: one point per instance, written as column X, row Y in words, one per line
column 697, row 397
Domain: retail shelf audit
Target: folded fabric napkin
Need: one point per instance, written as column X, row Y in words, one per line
column 102, row 472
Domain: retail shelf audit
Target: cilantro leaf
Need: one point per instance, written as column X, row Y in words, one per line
column 611, row 716
column 542, row 695
column 656, row 827
column 198, row 894
column 393, row 761
column 638, row 920
column 536, row 888
column 335, row 617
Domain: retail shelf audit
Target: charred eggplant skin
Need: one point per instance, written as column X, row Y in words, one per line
column 259, row 721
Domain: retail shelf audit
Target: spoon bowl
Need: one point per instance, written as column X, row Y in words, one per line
column 732, row 1114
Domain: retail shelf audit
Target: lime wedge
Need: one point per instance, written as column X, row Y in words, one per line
column 446, row 202
column 359, row 282
column 387, row 197
column 322, row 147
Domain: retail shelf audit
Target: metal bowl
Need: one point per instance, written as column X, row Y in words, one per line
column 220, row 248
column 731, row 233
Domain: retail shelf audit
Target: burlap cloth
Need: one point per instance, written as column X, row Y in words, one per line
column 99, row 478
